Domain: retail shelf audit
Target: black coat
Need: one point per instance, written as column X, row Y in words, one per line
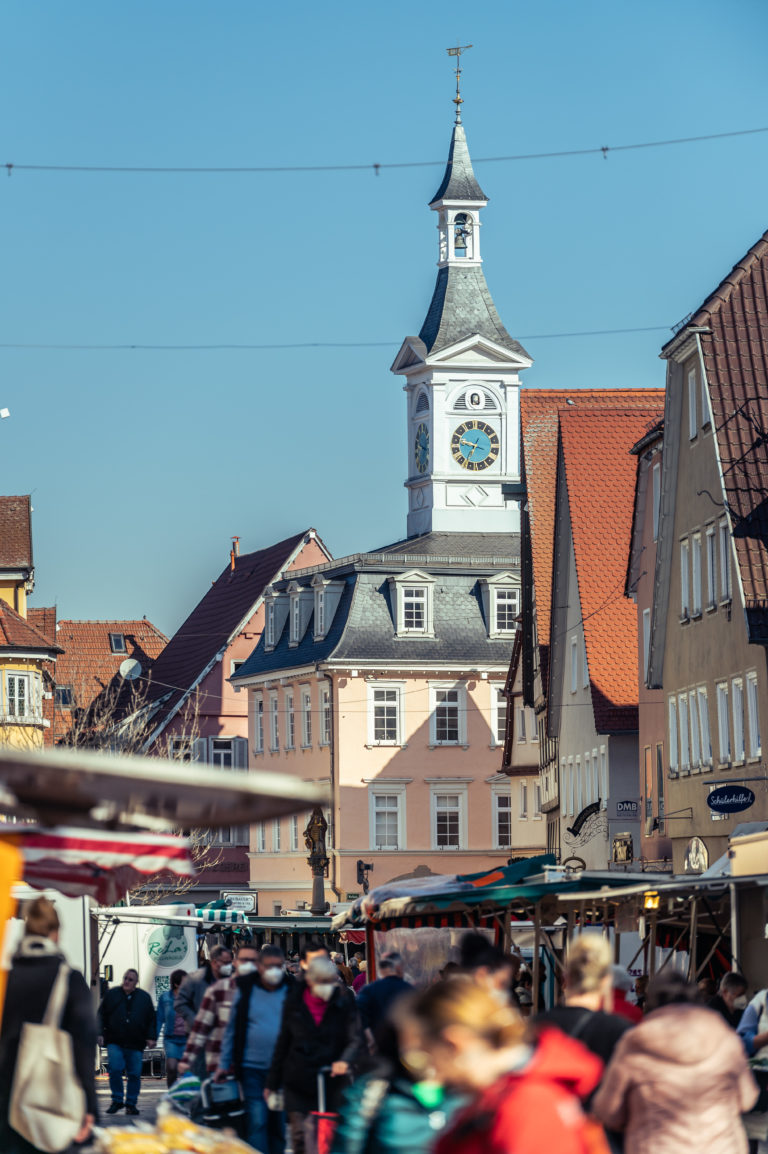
column 127, row 1020
column 29, row 987
column 303, row 1048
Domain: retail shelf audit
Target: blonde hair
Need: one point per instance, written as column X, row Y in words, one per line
column 462, row 1002
column 40, row 918
column 589, row 963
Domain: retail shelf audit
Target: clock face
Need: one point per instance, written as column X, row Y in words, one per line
column 475, row 445
column 421, row 448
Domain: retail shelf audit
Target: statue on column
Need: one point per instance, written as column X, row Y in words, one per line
column 314, row 839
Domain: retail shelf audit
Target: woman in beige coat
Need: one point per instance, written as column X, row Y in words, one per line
column 679, row 1081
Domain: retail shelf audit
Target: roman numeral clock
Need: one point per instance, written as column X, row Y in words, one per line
column 475, row 445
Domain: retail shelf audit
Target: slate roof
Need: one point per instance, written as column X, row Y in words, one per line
column 459, row 181
column 461, row 307
column 88, row 664
column 735, row 351
column 436, row 544
column 363, row 630
column 539, row 421
column 212, row 623
column 16, row 633
column 601, row 490
column 15, row 533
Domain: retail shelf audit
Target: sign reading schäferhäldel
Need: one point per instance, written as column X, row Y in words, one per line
column 730, row 799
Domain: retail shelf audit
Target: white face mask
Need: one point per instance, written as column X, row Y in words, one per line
column 225, row 970
column 324, row 990
column 273, row 976
column 246, row 968
column 741, row 1002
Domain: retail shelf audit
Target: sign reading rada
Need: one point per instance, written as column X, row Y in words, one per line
column 730, row 799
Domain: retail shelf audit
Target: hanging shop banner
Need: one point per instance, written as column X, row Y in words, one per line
column 731, row 799
column 586, row 813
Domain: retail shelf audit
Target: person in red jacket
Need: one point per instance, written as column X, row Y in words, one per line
column 526, row 1093
column 622, row 985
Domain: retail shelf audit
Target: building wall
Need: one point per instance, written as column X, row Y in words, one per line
column 413, row 772
column 705, row 649
column 655, row 845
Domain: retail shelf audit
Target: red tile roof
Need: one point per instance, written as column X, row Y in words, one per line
column 539, row 426
column 88, row 664
column 215, row 619
column 600, row 478
column 15, row 533
column 44, row 620
column 735, row 354
column 16, row 633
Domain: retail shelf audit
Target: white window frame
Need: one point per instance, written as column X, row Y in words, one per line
column 505, row 595
column 523, row 795
column 704, row 728
column 723, row 723
column 685, row 732
column 696, row 575
column 439, row 687
column 277, row 837
column 693, row 420
column 261, row 837
column 258, row 723
column 274, row 722
column 674, row 763
column 294, row 834
column 412, row 582
column 534, row 726
column 320, row 611
column 326, row 715
column 388, row 790
column 646, row 643
column 588, row 778
column 656, row 497
column 579, row 785
column 693, row 720
column 737, row 713
column 33, row 705
column 295, row 618
column 537, row 814
column 711, row 551
column 724, row 539
column 571, row 787
column 398, row 688
column 705, row 416
column 685, row 579
column 753, row 717
column 584, row 664
column 499, row 710
column 604, row 779
column 574, row 664
column 448, row 788
column 521, row 725
column 306, row 717
column 218, row 756
column 269, row 627
column 501, row 804
column 290, row 720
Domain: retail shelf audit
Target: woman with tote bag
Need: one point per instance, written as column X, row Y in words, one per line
column 44, row 995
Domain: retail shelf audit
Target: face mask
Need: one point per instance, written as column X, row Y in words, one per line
column 246, row 968
column 324, row 991
column 273, row 976
column 741, row 1002
column 225, row 970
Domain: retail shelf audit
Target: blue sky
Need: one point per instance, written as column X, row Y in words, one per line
column 142, row 464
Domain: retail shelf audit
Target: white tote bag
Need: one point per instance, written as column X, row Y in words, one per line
column 47, row 1100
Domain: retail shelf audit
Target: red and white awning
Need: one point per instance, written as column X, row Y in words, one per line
column 104, row 866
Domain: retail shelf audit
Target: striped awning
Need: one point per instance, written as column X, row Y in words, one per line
column 222, row 917
column 79, row 862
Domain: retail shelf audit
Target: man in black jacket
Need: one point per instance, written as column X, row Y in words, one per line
column 126, row 1025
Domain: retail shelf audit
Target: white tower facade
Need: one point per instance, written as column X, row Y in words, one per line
column 462, row 379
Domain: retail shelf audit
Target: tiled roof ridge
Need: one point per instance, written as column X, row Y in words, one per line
column 25, row 627
column 730, row 282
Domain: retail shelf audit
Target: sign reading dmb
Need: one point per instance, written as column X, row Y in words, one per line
column 730, row 799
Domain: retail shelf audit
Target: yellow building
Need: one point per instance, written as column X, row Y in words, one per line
column 24, row 650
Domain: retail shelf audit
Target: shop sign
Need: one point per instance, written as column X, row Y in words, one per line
column 696, row 858
column 628, row 810
column 731, row 799
column 246, row 903
column 588, row 812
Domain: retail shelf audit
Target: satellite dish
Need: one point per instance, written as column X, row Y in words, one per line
column 130, row 669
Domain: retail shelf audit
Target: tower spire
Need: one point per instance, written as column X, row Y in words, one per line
column 457, row 100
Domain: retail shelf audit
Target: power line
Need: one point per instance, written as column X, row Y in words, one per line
column 224, row 347
column 375, row 167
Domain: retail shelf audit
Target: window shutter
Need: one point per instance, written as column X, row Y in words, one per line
column 240, row 753
column 200, row 749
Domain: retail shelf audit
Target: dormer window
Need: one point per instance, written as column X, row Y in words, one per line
column 320, row 612
column 301, row 601
column 501, row 604
column 295, row 618
column 117, row 643
column 412, row 595
column 275, row 613
column 270, row 631
column 327, row 595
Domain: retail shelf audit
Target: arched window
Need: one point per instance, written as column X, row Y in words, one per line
column 462, row 235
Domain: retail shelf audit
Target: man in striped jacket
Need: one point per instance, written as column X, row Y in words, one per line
column 204, row 1041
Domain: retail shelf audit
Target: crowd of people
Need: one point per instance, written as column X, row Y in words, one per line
column 460, row 1066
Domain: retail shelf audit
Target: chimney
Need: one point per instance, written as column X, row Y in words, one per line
column 236, row 546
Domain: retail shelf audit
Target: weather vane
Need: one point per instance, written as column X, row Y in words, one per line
column 457, row 51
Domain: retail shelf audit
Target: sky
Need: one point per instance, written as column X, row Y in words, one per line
column 142, row 463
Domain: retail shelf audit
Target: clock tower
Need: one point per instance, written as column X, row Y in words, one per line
column 462, row 377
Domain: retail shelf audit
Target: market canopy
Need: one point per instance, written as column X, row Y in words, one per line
column 93, row 863
column 104, row 790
